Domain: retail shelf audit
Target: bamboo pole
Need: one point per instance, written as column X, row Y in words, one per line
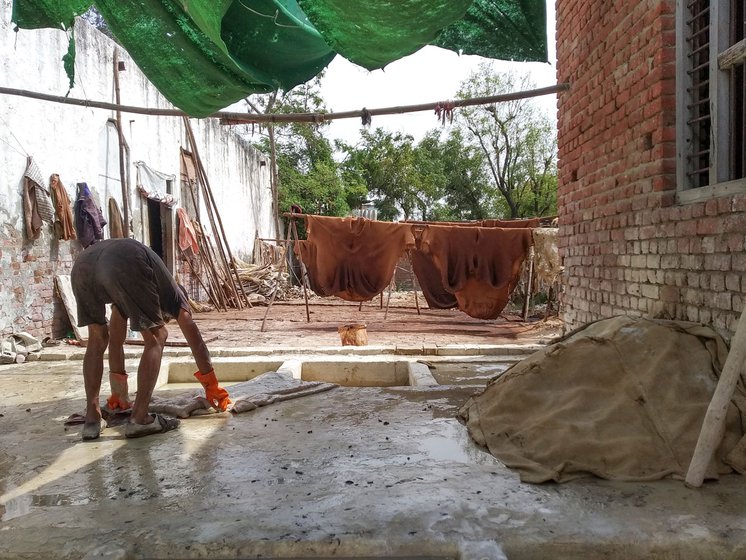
column 303, row 272
column 120, row 135
column 229, row 262
column 210, row 272
column 414, row 282
column 194, row 273
column 277, row 283
column 388, row 299
column 713, row 427
column 527, row 302
column 236, row 118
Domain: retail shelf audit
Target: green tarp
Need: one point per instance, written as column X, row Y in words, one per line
column 204, row 55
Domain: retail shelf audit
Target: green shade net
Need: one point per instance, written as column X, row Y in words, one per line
column 40, row 14
column 373, row 34
column 502, row 29
column 204, row 55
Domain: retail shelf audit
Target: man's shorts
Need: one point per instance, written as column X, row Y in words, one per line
column 128, row 274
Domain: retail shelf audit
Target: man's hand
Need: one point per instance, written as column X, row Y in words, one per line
column 214, row 393
column 119, row 399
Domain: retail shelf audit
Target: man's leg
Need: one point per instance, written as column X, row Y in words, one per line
column 147, row 372
column 93, row 370
column 117, row 336
column 119, row 398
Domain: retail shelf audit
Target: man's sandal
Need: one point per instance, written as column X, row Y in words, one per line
column 92, row 430
column 159, row 425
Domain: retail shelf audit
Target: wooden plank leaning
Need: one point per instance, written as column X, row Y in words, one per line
column 713, row 427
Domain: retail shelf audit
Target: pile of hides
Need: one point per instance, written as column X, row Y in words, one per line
column 267, row 388
column 621, row 399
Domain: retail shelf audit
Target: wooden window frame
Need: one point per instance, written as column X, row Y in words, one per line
column 723, row 59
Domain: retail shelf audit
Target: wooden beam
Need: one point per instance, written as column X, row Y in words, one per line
column 241, row 118
column 732, row 56
column 713, row 427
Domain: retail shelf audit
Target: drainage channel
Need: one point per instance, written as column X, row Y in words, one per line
column 350, row 371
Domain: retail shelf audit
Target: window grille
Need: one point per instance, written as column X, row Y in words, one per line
column 699, row 120
column 738, row 92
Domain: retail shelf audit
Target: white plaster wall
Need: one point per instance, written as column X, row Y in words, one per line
column 75, row 141
column 78, row 144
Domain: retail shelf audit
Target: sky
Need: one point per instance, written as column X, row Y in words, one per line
column 427, row 76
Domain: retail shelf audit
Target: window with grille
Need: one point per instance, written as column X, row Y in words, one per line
column 711, row 111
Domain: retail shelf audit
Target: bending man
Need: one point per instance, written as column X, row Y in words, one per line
column 131, row 277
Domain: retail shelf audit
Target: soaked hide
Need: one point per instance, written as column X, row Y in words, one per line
column 268, row 388
column 428, row 277
column 546, row 261
column 352, row 258
column 622, row 399
column 480, row 266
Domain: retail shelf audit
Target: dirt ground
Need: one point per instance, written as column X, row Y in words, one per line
column 287, row 324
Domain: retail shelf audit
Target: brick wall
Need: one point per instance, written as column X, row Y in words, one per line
column 627, row 246
column 29, row 301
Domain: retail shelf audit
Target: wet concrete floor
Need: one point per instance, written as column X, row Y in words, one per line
column 350, row 473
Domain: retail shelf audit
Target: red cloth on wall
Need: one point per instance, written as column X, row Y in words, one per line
column 187, row 233
column 352, row 258
column 480, row 266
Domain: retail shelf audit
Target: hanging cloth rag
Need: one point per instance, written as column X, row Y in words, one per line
column 352, row 258
column 89, row 221
column 37, row 206
column 187, row 233
column 480, row 266
column 116, row 221
column 63, row 222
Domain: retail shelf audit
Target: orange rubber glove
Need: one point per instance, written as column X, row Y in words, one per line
column 217, row 396
column 119, row 399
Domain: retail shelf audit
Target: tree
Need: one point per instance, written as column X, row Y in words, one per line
column 462, row 189
column 306, row 171
column 517, row 141
column 385, row 162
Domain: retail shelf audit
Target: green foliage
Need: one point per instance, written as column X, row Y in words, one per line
column 497, row 161
column 386, row 163
column 517, row 141
column 308, row 174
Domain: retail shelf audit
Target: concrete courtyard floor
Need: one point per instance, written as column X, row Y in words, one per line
column 355, row 472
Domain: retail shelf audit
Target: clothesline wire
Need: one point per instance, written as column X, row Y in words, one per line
column 241, row 118
column 22, row 151
column 16, row 150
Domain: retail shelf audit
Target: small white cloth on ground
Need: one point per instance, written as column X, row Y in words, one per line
column 267, row 388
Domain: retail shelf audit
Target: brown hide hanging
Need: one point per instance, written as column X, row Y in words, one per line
column 480, row 266
column 427, row 272
column 431, row 284
column 352, row 258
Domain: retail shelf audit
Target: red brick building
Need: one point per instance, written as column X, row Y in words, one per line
column 652, row 159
